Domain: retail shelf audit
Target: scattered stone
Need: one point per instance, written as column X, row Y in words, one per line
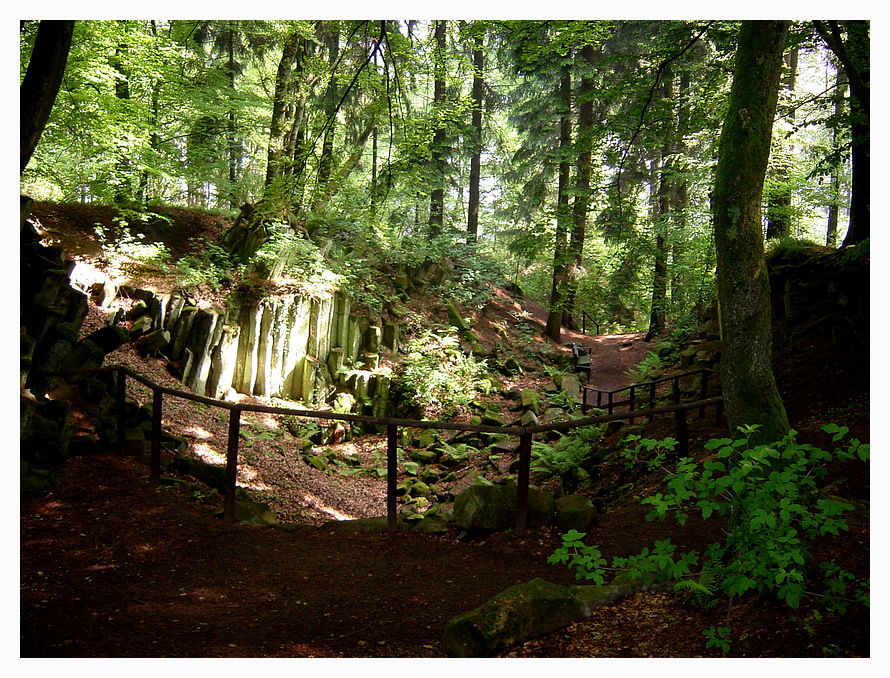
column 531, row 400
column 493, row 507
column 522, row 612
column 574, row 512
column 422, row 456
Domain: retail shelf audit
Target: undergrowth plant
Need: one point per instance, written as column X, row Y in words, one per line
column 773, row 508
column 565, row 457
column 437, row 374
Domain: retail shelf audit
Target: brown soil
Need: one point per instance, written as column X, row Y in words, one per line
column 112, row 567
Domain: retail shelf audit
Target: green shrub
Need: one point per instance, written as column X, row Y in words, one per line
column 565, row 457
column 437, row 374
column 769, row 497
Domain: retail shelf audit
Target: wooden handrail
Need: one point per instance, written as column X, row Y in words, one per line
column 525, row 433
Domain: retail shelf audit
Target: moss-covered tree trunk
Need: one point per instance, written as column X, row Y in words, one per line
column 553, row 328
column 41, row 83
column 742, row 283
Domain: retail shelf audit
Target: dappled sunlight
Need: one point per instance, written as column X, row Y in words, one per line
column 206, row 453
column 198, row 432
column 317, row 504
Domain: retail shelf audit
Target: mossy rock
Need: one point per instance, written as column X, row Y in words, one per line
column 574, row 512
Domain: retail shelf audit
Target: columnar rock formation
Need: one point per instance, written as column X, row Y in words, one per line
column 290, row 346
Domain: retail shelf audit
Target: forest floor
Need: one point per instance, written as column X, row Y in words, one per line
column 112, row 567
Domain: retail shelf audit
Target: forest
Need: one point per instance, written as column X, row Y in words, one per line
column 661, row 188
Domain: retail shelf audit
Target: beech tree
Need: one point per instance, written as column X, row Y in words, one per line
column 749, row 386
column 41, row 83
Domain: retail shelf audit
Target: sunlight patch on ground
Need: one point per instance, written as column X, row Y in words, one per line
column 198, row 432
column 208, row 454
column 318, row 505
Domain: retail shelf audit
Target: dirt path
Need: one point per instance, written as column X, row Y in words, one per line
column 612, row 354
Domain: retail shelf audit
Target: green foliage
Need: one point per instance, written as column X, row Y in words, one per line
column 653, row 453
column 127, row 253
column 768, row 495
column 210, row 266
column 719, row 637
column 565, row 457
column 647, row 369
column 437, row 374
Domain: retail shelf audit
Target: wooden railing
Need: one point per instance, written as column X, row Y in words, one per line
column 585, row 316
column 645, row 391
column 524, row 433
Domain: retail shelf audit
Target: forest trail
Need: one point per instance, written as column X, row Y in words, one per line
column 612, row 355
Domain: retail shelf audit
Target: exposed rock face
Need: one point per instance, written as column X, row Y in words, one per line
column 290, row 347
column 522, row 612
column 574, row 512
column 493, row 507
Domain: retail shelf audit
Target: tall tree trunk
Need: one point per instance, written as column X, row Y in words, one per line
column 40, row 85
column 232, row 146
column 581, row 205
column 437, row 194
column 553, row 328
column 778, row 215
column 664, row 208
column 748, row 382
column 853, row 55
column 277, row 166
column 834, row 207
column 325, row 162
column 476, row 158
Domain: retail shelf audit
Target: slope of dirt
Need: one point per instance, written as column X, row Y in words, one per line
column 111, row 567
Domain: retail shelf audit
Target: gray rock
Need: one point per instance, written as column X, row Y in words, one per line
column 493, row 507
column 574, row 512
column 254, row 513
column 523, row 612
column 431, row 524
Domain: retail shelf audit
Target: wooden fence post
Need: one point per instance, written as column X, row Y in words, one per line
column 524, row 476
column 231, row 465
column 154, row 466
column 704, row 393
column 682, row 434
column 121, row 402
column 392, row 471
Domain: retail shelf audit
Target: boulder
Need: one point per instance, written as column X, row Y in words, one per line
column 376, row 524
column 574, row 512
column 531, row 400
column 431, row 524
column 493, row 507
column 570, row 384
column 522, row 612
column 254, row 513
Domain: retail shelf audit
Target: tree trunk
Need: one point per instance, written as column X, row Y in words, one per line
column 553, row 328
column 41, row 83
column 853, row 55
column 325, row 162
column 437, row 194
column 834, row 207
column 749, row 386
column 582, row 186
column 274, row 200
column 232, row 146
column 476, row 158
column 779, row 221
column 663, row 214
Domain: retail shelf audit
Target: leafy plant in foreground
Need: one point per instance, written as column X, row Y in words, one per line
column 774, row 510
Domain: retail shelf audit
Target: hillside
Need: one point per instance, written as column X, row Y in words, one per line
column 134, row 562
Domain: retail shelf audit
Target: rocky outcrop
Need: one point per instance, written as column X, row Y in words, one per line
column 292, row 347
column 522, row 612
column 493, row 507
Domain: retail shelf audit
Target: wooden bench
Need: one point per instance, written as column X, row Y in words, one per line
column 581, row 359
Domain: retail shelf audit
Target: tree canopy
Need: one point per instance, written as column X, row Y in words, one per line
column 580, row 154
